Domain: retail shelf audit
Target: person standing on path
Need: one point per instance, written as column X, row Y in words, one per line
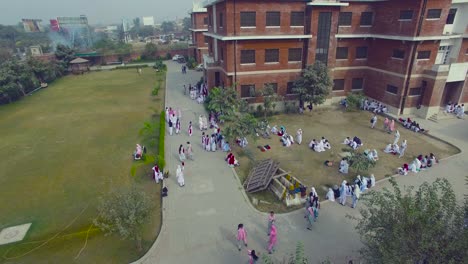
column 386, row 124
column 271, row 221
column 241, row 236
column 189, row 150
column 273, row 239
column 181, row 153
column 391, row 127
column 299, row 136
column 397, row 137
column 343, row 193
column 403, row 147
column 373, row 121
column 356, row 195
column 170, row 127
column 177, row 126
column 310, row 217
column 190, row 129
column 180, row 176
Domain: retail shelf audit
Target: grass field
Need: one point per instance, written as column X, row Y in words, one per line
column 61, row 149
column 334, row 125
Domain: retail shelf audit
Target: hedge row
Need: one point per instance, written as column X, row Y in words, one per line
column 162, row 135
column 131, row 67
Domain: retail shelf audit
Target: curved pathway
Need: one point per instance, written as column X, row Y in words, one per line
column 200, row 219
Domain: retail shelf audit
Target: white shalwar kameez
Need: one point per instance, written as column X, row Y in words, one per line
column 180, row 176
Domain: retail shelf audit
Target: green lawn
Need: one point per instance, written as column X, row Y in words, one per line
column 62, row 148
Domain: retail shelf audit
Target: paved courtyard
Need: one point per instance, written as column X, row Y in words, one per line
column 200, row 219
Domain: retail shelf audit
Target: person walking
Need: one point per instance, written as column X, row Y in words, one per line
column 189, row 150
column 271, row 221
column 253, row 258
column 386, row 124
column 181, row 153
column 310, row 217
column 403, row 147
column 190, row 129
column 273, row 239
column 356, row 195
column 180, row 176
column 241, row 236
column 299, row 136
column 177, row 126
column 391, row 127
column 397, row 137
column 373, row 121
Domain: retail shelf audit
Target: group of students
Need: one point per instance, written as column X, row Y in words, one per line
column 271, row 243
column 373, row 106
column 354, row 143
column 456, row 109
column 419, row 163
column 353, row 190
column 411, row 125
column 173, row 118
column 197, row 92
column 319, row 146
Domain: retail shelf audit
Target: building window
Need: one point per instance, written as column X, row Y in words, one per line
column 205, row 21
column 341, row 53
column 323, row 37
column 290, row 88
column 392, row 89
column 424, row 54
column 221, row 54
column 451, row 16
column 221, row 19
column 345, row 18
column 274, row 86
column 207, row 39
column 406, row 14
column 366, row 18
column 273, row 19
column 295, row 54
column 357, row 84
column 398, row 54
column 338, row 85
column 297, row 19
column 434, row 13
column 248, row 90
column 210, row 22
column 247, row 19
column 415, row 91
column 361, row 53
column 272, row 55
column 247, row 56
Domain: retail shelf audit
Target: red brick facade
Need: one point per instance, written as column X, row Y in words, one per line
column 404, row 65
column 199, row 25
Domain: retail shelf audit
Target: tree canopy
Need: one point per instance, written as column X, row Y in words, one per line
column 168, row 26
column 413, row 226
column 123, row 212
column 223, row 100
column 314, row 84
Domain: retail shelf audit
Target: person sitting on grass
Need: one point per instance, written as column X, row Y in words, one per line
column 138, row 153
column 231, row 160
column 372, row 154
column 403, row 170
column 346, row 141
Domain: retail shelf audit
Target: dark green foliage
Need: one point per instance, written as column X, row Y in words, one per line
column 191, row 63
column 126, row 67
column 223, row 100
column 360, row 162
column 150, row 51
column 168, row 56
column 314, row 84
column 159, row 65
column 413, row 226
column 354, row 101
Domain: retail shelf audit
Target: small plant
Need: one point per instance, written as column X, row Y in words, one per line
column 360, row 162
column 354, row 101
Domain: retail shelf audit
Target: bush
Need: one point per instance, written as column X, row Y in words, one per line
column 159, row 65
column 130, row 67
column 162, row 135
column 191, row 63
column 354, row 101
column 168, row 56
column 290, row 107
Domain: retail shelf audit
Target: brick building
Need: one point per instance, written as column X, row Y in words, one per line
column 410, row 55
column 199, row 45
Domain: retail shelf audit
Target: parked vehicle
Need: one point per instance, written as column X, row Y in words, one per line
column 177, row 57
column 181, row 60
column 200, row 67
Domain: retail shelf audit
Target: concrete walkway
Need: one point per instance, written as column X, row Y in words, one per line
column 200, row 220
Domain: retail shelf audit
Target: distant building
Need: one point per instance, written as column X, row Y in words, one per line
column 127, row 25
column 74, row 30
column 412, row 55
column 36, row 51
column 147, row 21
column 32, row 25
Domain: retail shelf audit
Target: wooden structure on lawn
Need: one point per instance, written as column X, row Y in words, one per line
column 79, row 66
column 267, row 174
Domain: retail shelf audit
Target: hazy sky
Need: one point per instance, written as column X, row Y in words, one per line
column 97, row 11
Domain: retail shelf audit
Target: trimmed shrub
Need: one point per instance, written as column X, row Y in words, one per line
column 131, row 67
column 354, row 101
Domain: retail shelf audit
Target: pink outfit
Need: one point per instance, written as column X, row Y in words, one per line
column 190, row 130
column 242, row 235
column 273, row 238
column 392, row 125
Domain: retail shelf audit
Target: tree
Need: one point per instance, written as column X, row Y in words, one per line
column 407, row 226
column 223, row 100
column 360, row 162
column 150, row 51
column 146, row 31
column 270, row 98
column 167, row 26
column 244, row 125
column 314, row 84
column 187, row 24
column 123, row 212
